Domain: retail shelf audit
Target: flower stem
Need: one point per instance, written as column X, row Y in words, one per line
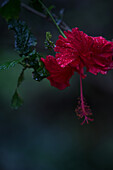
column 81, row 94
column 81, row 91
column 52, row 19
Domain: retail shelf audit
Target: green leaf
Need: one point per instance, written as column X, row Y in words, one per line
column 37, row 65
column 16, row 101
column 33, row 59
column 40, row 73
column 10, row 9
column 10, row 64
column 21, row 78
column 24, row 40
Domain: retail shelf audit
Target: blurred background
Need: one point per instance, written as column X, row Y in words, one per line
column 45, row 134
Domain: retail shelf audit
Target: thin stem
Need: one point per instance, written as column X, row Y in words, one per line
column 81, row 93
column 63, row 25
column 83, row 110
column 33, row 10
column 53, row 19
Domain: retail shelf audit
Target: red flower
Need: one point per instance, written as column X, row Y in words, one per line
column 74, row 53
column 59, row 77
column 80, row 50
column 101, row 56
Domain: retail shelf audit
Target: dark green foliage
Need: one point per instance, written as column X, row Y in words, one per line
column 16, row 101
column 24, row 40
column 40, row 73
column 10, row 9
column 25, row 45
column 33, row 61
column 10, row 64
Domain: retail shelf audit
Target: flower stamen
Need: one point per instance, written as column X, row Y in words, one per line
column 83, row 110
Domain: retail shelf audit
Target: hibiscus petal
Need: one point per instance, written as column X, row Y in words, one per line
column 59, row 77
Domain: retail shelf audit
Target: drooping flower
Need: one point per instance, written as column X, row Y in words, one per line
column 74, row 53
column 94, row 53
column 72, row 50
column 59, row 77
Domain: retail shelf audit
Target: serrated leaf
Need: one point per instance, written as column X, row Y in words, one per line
column 33, row 59
column 24, row 39
column 16, row 101
column 10, row 9
column 10, row 64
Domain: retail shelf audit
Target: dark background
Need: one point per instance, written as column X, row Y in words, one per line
column 45, row 134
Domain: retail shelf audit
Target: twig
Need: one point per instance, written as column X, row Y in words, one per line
column 62, row 24
column 33, row 10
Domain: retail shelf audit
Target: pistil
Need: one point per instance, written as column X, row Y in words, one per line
column 83, row 110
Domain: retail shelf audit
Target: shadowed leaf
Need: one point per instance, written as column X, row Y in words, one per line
column 24, row 40
column 10, row 64
column 10, row 9
column 40, row 73
column 16, row 101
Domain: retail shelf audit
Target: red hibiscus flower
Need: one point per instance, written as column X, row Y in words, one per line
column 94, row 53
column 76, row 51
column 59, row 77
column 101, row 56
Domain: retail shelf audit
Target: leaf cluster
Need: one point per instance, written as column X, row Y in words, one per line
column 24, row 39
column 25, row 45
